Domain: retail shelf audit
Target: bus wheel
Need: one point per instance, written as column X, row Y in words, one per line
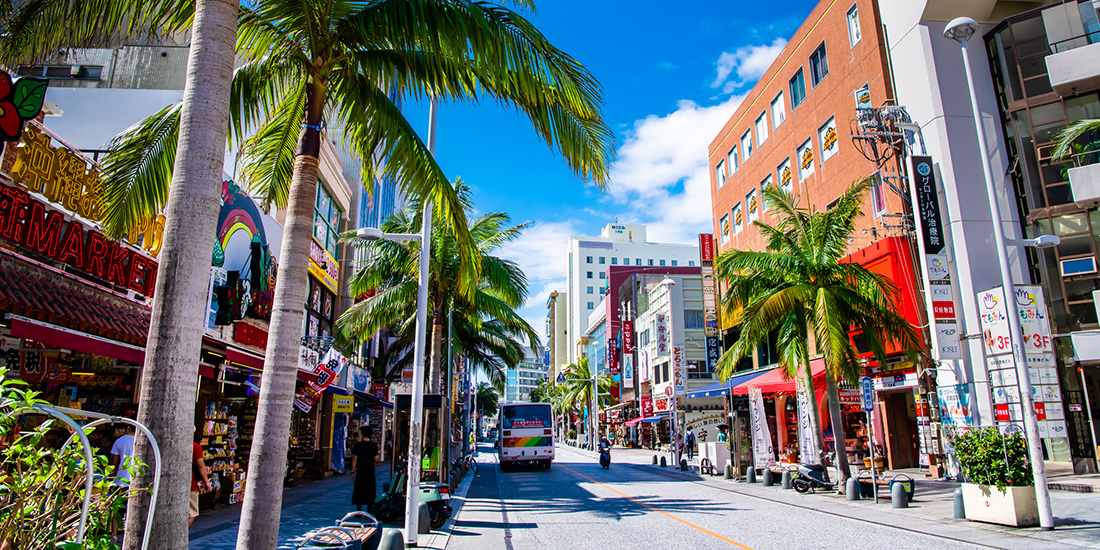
column 546, row 464
column 504, row 466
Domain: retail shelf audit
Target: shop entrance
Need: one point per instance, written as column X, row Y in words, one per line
column 900, row 429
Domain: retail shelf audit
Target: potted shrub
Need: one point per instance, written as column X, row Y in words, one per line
column 1000, row 486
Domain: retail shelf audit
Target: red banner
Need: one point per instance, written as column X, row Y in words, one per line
column 647, row 406
column 706, row 247
column 628, row 336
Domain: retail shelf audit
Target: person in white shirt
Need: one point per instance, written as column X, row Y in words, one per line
column 122, row 454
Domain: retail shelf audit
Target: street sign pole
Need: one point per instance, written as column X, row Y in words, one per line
column 868, row 402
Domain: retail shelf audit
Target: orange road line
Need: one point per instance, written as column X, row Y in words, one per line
column 663, row 513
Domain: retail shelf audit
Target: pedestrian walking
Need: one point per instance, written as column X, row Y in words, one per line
column 122, row 456
column 689, row 443
column 722, row 437
column 199, row 480
column 362, row 470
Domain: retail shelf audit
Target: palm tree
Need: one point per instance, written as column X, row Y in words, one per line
column 802, row 287
column 1065, row 142
column 344, row 59
column 578, row 389
column 485, row 325
column 488, row 399
column 549, row 392
column 166, row 402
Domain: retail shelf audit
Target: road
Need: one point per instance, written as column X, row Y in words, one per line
column 578, row 505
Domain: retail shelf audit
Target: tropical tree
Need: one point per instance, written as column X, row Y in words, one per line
column 345, row 60
column 1067, row 142
column 549, row 392
column 486, row 329
column 488, row 399
column 802, row 288
column 578, row 389
column 166, row 402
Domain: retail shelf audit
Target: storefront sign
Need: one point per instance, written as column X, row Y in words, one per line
column 628, row 367
column 326, row 370
column 643, row 367
column 706, row 248
column 20, row 101
column 612, row 357
column 714, row 353
column 647, row 406
column 662, row 336
column 343, row 404
column 323, row 266
column 360, row 379
column 679, row 369
column 660, row 403
column 762, row 451
column 29, row 222
column 704, row 424
column 807, row 441
column 710, row 288
column 928, row 203
column 628, row 337
column 249, row 335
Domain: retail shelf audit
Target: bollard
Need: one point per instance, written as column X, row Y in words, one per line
column 663, row 463
column 898, row 496
column 683, row 465
column 750, row 475
column 392, row 540
column 654, row 460
column 851, row 489
column 374, row 543
column 786, row 479
column 424, row 523
column 769, row 478
column 729, row 471
column 960, row 510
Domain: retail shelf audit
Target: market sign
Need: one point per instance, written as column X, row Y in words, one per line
column 31, row 223
column 323, row 266
column 928, row 203
column 628, row 339
column 662, row 334
column 343, row 404
column 679, row 369
column 326, row 370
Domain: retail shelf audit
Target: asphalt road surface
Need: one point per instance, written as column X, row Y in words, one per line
column 578, row 505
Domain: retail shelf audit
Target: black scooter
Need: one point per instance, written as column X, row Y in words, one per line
column 389, row 507
column 605, row 458
column 810, row 477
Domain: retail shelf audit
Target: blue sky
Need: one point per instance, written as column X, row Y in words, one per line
column 672, row 75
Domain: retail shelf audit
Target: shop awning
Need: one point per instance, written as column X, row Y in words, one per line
column 375, row 400
column 723, row 388
column 66, row 338
column 774, row 381
column 657, row 418
column 249, row 359
column 632, row 422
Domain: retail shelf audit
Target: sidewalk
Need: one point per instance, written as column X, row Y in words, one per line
column 1077, row 515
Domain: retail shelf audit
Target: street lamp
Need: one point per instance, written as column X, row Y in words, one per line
column 962, row 29
column 674, row 414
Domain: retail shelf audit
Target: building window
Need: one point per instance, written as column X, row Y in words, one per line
column 603, row 275
column 589, row 259
column 326, row 220
column 589, row 290
column 691, row 263
column 601, row 260
column 798, row 89
column 827, row 138
column 673, row 263
column 590, row 306
column 626, row 261
column 720, row 173
column 854, row 33
column 746, row 144
column 603, row 290
column 614, row 261
column 779, row 111
column 761, row 128
column 878, row 195
column 819, row 65
column 637, row 261
column 732, row 158
column 589, row 275
column 650, row 262
column 662, row 263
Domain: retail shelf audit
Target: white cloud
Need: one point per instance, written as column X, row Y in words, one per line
column 662, row 171
column 747, row 63
column 541, row 252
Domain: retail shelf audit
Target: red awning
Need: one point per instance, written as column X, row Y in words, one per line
column 248, row 359
column 632, row 422
column 774, row 382
column 66, row 338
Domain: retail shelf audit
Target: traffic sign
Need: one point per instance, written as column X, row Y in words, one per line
column 868, row 393
column 561, row 377
column 668, row 391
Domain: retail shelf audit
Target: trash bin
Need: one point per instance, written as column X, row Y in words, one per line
column 907, row 482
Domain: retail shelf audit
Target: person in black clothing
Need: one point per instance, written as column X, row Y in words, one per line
column 362, row 470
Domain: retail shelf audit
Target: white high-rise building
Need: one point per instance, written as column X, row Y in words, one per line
column 619, row 244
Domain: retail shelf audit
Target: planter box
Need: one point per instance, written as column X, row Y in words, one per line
column 1015, row 507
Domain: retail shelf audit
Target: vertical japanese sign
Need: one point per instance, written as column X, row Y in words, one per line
column 679, row 369
column 710, row 300
column 628, row 368
column 928, row 203
column 807, row 443
column 662, row 335
column 1046, row 392
column 628, row 337
column 762, row 450
column 330, row 366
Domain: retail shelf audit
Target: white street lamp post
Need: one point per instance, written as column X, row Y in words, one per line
column 674, row 415
column 961, row 29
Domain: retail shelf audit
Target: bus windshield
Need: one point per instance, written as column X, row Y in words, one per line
column 527, row 416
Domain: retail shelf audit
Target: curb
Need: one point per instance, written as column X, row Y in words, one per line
column 1073, row 487
column 440, row 539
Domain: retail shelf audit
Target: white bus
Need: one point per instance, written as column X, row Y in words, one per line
column 526, row 434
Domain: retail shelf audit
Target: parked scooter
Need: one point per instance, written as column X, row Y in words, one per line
column 810, row 477
column 605, row 453
column 389, row 507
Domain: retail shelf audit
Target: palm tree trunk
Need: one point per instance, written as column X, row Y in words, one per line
column 838, row 431
column 166, row 404
column 435, row 372
column 815, row 417
column 263, row 495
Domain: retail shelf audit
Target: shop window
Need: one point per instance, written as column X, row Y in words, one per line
column 797, row 86
column 819, row 65
column 326, row 220
column 854, row 33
